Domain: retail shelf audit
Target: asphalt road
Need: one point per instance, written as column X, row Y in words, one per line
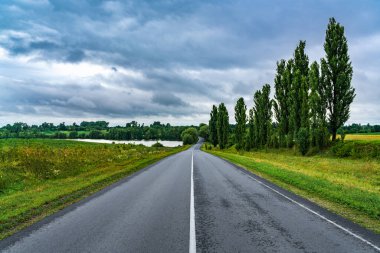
column 235, row 211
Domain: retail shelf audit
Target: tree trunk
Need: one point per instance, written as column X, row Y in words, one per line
column 333, row 135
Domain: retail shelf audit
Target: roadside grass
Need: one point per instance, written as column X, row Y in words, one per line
column 39, row 177
column 348, row 187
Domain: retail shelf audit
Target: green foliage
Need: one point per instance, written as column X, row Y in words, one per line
column 241, row 121
column 357, row 149
column 263, row 116
column 342, row 133
column 303, row 97
column 73, row 135
column 300, row 88
column 337, row 72
column 322, row 137
column 281, row 104
column 204, row 132
column 213, row 128
column 303, row 140
column 157, row 145
column 94, row 130
column 190, row 136
column 250, row 139
column 318, row 105
column 223, row 126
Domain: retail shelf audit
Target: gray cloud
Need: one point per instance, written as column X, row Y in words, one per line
column 168, row 99
column 188, row 54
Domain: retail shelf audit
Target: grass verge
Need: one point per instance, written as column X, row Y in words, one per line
column 40, row 177
column 348, row 187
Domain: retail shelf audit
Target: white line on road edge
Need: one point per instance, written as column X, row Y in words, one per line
column 192, row 241
column 319, row 215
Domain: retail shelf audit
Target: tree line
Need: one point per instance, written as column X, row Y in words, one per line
column 95, row 130
column 311, row 102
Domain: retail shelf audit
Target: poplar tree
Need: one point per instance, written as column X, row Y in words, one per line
column 213, row 126
column 315, row 101
column 241, row 121
column 338, row 72
column 281, row 103
column 296, row 101
column 288, row 80
column 222, row 126
column 300, row 88
column 263, row 115
column 250, row 141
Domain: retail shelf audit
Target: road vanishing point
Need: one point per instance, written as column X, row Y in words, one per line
column 193, row 202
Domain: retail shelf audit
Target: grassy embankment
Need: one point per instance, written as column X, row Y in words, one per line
column 349, row 187
column 39, row 177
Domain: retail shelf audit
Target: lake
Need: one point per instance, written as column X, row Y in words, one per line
column 147, row 143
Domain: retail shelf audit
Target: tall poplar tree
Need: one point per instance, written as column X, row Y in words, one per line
column 296, row 101
column 288, row 79
column 281, row 103
column 250, row 141
column 300, row 88
column 338, row 72
column 213, row 126
column 241, row 121
column 222, row 126
column 263, row 115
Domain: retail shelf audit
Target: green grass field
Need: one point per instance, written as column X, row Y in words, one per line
column 39, row 177
column 349, row 187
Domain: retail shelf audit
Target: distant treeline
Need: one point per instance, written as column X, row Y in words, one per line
column 94, row 130
column 310, row 106
column 360, row 129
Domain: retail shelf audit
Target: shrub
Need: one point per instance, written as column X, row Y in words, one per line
column 303, row 140
column 204, row 132
column 189, row 136
column 73, row 135
column 157, row 145
column 356, row 149
column 322, row 137
column 187, row 139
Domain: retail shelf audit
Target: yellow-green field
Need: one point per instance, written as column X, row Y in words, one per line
column 349, row 187
column 39, row 177
column 363, row 137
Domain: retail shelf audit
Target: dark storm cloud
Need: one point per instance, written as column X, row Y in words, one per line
column 185, row 52
column 168, row 99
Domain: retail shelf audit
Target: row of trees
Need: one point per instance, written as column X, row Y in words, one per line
column 311, row 101
column 219, row 126
column 94, row 130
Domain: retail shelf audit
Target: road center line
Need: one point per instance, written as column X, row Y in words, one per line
column 192, row 239
column 319, row 215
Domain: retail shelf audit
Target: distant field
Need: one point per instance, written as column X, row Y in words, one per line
column 363, row 137
column 41, row 176
column 349, row 187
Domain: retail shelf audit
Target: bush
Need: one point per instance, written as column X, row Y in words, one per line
column 73, row 135
column 303, row 140
column 356, row 149
column 157, row 145
column 204, row 132
column 189, row 136
column 187, row 139
column 322, row 137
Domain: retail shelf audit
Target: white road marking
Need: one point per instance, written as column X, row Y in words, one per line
column 192, row 240
column 319, row 215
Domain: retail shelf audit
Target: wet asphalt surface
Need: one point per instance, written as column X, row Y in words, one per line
column 149, row 212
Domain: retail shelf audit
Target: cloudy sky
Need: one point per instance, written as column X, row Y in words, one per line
column 167, row 60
